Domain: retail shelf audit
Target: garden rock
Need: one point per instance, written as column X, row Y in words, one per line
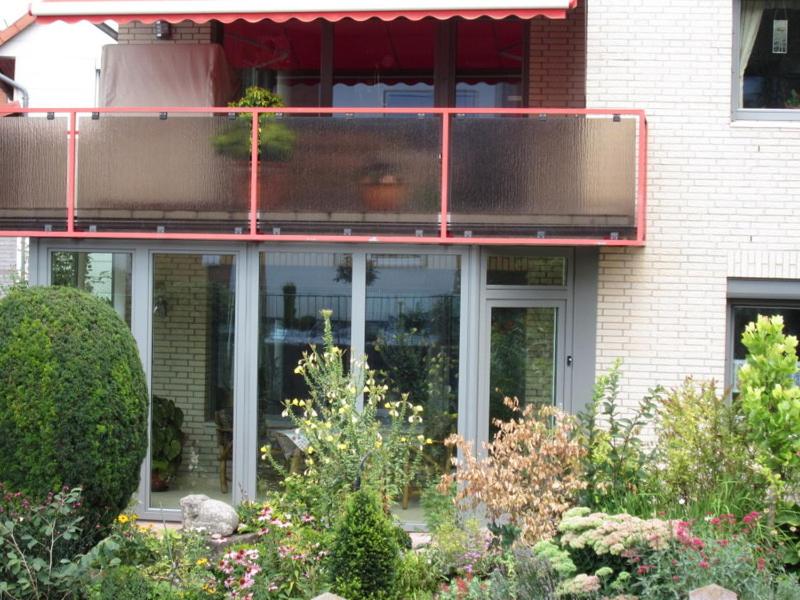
column 201, row 513
column 712, row 592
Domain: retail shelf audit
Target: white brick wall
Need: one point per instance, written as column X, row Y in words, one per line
column 722, row 196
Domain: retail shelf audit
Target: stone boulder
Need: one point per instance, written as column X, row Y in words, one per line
column 212, row 517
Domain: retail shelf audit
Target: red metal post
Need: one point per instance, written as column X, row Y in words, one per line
column 254, row 176
column 445, row 173
column 71, row 168
column 641, row 199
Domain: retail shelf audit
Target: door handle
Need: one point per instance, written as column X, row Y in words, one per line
column 569, row 360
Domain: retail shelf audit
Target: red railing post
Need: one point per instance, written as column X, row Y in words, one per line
column 445, row 189
column 71, row 169
column 641, row 200
column 254, row 175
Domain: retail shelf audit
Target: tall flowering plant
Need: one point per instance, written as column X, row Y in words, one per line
column 354, row 435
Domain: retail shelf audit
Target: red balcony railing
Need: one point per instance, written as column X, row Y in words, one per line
column 452, row 176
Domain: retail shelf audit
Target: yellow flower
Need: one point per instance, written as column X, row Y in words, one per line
column 202, row 562
column 123, row 518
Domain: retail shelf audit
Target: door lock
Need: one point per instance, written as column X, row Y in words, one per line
column 569, row 361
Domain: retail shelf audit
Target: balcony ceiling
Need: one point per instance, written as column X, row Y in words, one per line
column 227, row 11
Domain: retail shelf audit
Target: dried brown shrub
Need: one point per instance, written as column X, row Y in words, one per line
column 530, row 474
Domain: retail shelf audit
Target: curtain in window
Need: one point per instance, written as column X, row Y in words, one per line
column 749, row 24
column 750, row 21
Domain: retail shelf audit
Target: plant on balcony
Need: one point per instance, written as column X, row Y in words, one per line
column 167, row 443
column 276, row 141
column 382, row 188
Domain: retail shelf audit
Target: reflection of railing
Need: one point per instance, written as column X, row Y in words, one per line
column 429, row 175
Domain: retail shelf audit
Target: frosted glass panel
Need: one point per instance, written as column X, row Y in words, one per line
column 185, row 173
column 364, row 174
column 33, row 161
column 562, row 175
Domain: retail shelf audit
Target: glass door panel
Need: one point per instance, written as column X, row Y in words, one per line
column 524, row 347
column 294, row 287
column 412, row 340
column 193, row 324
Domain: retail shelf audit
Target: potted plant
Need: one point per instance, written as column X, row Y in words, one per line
column 276, row 141
column 382, row 189
column 167, row 443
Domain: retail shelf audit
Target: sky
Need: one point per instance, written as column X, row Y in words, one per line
column 11, row 10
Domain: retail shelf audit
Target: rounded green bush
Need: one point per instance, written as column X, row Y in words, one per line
column 364, row 554
column 73, row 401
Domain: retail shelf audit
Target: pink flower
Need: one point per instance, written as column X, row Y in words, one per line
column 704, row 564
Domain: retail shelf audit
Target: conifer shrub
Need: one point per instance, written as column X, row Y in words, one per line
column 73, row 401
column 365, row 553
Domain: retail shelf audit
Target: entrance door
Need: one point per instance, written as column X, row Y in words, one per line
column 523, row 357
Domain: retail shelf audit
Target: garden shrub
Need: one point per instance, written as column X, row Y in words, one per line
column 616, row 463
column 348, row 443
column 770, row 399
column 704, row 453
column 73, row 401
column 364, row 552
column 530, row 475
column 417, row 576
column 36, row 546
column 130, row 583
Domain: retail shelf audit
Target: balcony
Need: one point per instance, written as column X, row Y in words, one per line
column 445, row 176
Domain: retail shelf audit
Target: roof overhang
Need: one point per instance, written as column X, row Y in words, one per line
column 226, row 11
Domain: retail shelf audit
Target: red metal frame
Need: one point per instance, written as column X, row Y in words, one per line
column 253, row 235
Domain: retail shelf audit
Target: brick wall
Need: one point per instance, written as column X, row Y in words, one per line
column 557, row 62
column 722, row 195
column 185, row 32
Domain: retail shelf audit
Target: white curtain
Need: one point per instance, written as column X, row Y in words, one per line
column 750, row 21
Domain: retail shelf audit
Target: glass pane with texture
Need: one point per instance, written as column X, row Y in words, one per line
column 185, row 173
column 563, row 176
column 33, row 161
column 368, row 175
column 522, row 358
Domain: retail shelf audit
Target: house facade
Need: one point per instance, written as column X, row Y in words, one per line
column 491, row 199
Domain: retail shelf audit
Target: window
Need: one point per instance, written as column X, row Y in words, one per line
column 768, row 57
column 749, row 298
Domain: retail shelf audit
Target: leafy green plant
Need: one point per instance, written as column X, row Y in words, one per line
column 276, row 141
column 167, row 442
column 616, row 461
column 705, row 456
column 417, row 576
column 350, row 443
column 73, row 402
column 439, row 506
column 364, row 552
column 770, row 399
column 130, row 583
column 37, row 546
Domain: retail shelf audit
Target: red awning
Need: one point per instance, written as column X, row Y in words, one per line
column 227, row 11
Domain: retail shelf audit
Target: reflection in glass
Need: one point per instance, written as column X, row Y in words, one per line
column 412, row 335
column 106, row 275
column 193, row 326
column 293, row 289
column 527, row 270
column 523, row 359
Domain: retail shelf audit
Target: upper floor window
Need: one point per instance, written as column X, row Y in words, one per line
column 768, row 57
